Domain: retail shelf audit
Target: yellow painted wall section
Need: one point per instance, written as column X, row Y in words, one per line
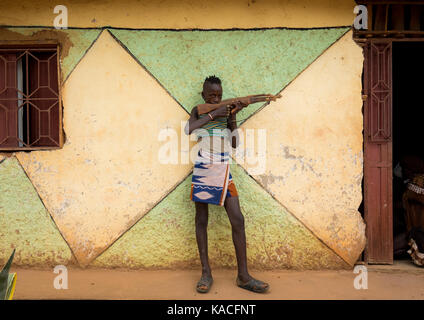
column 314, row 148
column 107, row 176
column 173, row 14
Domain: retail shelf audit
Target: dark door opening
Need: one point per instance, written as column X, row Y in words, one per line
column 408, row 124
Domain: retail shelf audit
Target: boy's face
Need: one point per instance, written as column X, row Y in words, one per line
column 212, row 93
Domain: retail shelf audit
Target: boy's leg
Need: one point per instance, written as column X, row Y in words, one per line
column 201, row 221
column 232, row 206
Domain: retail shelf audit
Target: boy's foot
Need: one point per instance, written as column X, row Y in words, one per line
column 253, row 285
column 204, row 284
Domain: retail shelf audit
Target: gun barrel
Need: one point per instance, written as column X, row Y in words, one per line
column 207, row 107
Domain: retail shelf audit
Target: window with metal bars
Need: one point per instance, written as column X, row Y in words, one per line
column 30, row 107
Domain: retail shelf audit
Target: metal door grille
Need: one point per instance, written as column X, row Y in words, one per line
column 378, row 124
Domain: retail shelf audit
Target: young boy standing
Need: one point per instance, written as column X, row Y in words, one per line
column 212, row 183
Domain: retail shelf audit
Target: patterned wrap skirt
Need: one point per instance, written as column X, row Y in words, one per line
column 212, row 181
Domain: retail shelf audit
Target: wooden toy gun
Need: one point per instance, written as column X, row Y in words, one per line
column 208, row 107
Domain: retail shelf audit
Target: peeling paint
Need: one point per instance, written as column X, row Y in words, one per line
column 73, row 43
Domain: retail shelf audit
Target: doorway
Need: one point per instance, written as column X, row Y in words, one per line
column 408, row 147
column 393, row 49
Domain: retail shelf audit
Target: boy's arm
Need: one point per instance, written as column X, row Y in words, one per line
column 193, row 117
column 194, row 122
column 232, row 124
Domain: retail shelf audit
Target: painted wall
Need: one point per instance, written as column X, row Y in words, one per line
column 107, row 200
column 186, row 14
column 314, row 154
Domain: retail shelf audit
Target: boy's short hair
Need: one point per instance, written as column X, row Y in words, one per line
column 212, row 80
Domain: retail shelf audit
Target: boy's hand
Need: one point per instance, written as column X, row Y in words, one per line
column 223, row 111
column 238, row 105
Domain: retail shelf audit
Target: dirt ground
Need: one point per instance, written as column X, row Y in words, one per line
column 402, row 280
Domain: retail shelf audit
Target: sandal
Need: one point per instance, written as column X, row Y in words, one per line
column 253, row 285
column 204, row 284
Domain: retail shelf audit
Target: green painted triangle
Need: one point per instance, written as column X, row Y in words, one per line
column 247, row 61
column 165, row 237
column 75, row 43
column 25, row 224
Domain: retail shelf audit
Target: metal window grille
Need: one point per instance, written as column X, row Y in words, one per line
column 30, row 107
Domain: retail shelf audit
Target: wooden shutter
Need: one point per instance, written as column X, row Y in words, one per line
column 378, row 151
column 35, row 99
column 8, row 100
column 43, row 96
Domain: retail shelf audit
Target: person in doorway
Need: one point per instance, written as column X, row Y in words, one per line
column 212, row 182
column 405, row 206
column 413, row 203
